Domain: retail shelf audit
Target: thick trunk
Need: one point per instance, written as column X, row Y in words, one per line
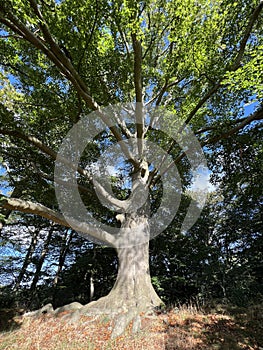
column 133, row 287
column 133, row 284
column 132, row 292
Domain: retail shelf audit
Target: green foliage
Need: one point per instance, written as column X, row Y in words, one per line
column 248, row 77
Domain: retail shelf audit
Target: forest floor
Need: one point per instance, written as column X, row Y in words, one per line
column 183, row 328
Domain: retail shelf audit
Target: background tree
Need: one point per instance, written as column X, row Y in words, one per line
column 61, row 60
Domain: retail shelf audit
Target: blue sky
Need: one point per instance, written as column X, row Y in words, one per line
column 4, row 190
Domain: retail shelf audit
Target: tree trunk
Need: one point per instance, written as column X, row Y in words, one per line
column 62, row 257
column 133, row 284
column 27, row 259
column 132, row 292
column 41, row 261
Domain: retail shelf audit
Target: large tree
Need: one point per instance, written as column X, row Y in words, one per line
column 61, row 60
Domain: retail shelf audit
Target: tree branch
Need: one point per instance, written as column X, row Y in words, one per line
column 137, row 49
column 136, row 199
column 16, row 204
column 8, row 65
column 50, row 178
column 234, row 66
column 90, row 36
column 214, row 127
column 17, row 192
column 123, row 126
column 254, row 16
column 84, row 91
column 55, row 48
column 45, row 149
column 257, row 115
column 57, row 56
column 123, row 37
column 11, row 25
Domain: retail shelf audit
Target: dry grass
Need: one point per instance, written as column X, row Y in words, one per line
column 183, row 328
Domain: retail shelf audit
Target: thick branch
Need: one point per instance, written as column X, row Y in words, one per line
column 57, row 56
column 234, row 66
column 132, row 203
column 137, row 48
column 254, row 16
column 59, row 53
column 40, row 145
column 17, row 192
column 41, row 210
column 16, row 25
column 257, row 115
column 137, row 197
column 77, row 81
column 10, row 25
column 123, row 126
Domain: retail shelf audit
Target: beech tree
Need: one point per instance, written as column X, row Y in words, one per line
column 186, row 68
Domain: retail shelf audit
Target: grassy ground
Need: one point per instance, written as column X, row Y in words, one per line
column 182, row 328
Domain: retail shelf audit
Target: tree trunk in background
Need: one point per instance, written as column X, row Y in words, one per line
column 91, row 287
column 41, row 261
column 27, row 259
column 63, row 253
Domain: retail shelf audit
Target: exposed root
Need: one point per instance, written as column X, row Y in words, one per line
column 122, row 322
column 121, row 314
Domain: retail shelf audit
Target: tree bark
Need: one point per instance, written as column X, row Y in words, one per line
column 132, row 292
column 133, row 284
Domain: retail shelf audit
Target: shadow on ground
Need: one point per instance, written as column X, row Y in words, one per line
column 239, row 329
column 9, row 319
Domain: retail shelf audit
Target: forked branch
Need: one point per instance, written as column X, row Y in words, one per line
column 44, row 148
column 52, row 50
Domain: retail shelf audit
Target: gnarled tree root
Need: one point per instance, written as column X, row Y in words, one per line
column 121, row 314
